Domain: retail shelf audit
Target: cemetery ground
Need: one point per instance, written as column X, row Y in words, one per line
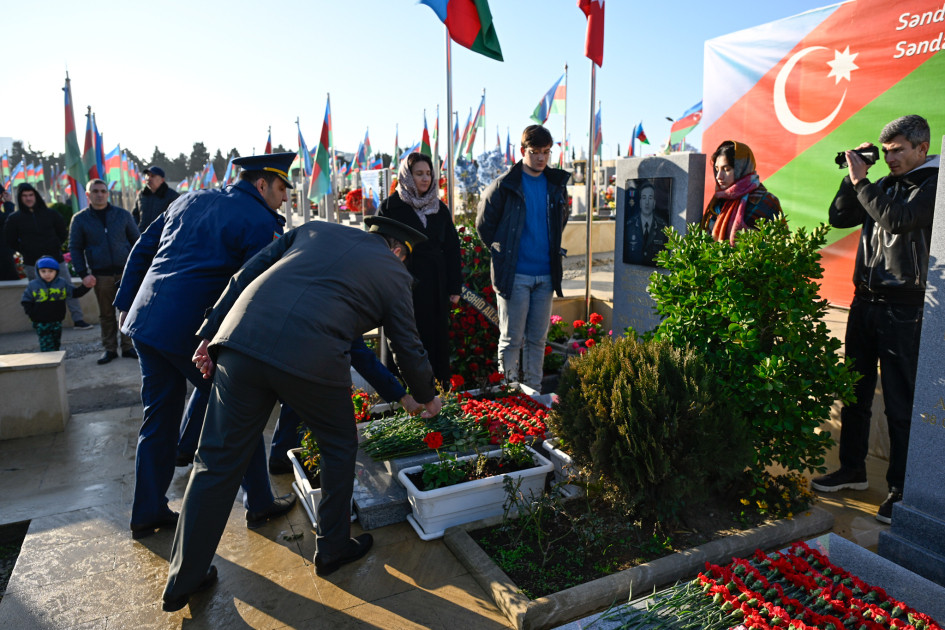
column 78, row 567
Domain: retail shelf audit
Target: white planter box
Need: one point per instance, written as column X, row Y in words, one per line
column 308, row 495
column 564, row 469
column 435, row 510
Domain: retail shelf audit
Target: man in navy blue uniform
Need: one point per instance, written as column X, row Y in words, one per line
column 175, row 272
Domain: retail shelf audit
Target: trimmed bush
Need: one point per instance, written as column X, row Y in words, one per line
column 647, row 417
column 753, row 311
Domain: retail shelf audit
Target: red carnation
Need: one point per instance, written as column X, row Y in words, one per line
column 495, row 377
column 516, row 438
column 547, row 350
column 589, row 343
column 596, row 318
column 457, row 381
column 434, row 439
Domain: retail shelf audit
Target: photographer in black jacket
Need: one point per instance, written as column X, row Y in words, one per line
column 885, row 318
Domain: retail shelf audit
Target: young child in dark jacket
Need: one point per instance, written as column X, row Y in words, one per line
column 44, row 301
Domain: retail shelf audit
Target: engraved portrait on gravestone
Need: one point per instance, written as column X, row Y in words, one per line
column 645, row 217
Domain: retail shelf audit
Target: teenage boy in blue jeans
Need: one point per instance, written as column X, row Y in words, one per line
column 521, row 217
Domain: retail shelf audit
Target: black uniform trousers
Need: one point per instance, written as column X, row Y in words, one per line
column 888, row 333
column 244, row 392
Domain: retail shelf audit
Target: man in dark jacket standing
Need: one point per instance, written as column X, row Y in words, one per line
column 885, row 317
column 153, row 199
column 7, row 263
column 175, row 272
column 521, row 218
column 36, row 231
column 100, row 238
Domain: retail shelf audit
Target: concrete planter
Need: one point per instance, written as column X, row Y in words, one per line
column 580, row 601
column 435, row 510
column 308, row 495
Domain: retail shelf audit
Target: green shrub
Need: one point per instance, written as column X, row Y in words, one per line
column 646, row 416
column 753, row 311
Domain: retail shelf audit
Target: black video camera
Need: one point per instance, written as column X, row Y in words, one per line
column 869, row 155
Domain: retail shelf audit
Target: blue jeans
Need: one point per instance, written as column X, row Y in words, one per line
column 523, row 325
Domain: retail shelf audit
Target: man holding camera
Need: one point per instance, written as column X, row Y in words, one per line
column 885, row 318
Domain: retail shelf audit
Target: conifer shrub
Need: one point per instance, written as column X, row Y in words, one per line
column 753, row 311
column 646, row 417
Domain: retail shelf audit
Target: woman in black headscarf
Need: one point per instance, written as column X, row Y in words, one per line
column 436, row 263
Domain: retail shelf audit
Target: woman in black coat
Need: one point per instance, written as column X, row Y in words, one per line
column 435, row 264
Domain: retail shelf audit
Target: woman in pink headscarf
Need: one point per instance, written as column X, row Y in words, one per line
column 740, row 198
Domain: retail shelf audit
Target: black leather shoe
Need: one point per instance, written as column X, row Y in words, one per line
column 172, row 605
column 355, row 550
column 143, row 530
column 279, row 507
column 279, row 466
column 129, row 353
column 107, row 357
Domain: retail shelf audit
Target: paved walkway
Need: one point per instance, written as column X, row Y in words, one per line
column 80, row 569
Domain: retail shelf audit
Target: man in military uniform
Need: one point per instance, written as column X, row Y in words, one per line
column 175, row 272
column 283, row 330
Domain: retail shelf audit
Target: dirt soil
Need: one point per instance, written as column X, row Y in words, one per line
column 583, row 540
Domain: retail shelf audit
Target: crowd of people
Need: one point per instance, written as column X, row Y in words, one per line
column 205, row 288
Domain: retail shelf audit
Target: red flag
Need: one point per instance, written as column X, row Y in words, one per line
column 594, row 44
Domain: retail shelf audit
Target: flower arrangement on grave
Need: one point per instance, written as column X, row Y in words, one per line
column 473, row 338
column 310, row 456
column 353, row 200
column 449, row 471
column 463, row 422
column 797, row 590
column 580, row 335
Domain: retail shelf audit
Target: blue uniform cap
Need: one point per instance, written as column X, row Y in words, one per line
column 47, row 262
column 277, row 163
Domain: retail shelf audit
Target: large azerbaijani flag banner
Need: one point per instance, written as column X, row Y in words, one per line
column 800, row 89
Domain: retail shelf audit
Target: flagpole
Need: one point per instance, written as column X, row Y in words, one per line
column 564, row 139
column 450, row 175
column 589, row 182
column 330, row 209
column 436, row 151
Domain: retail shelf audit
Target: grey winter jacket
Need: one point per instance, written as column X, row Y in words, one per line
column 500, row 222
column 101, row 248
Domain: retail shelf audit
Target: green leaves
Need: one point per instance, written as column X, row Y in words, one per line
column 753, row 310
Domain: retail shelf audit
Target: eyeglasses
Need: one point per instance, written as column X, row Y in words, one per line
column 544, row 152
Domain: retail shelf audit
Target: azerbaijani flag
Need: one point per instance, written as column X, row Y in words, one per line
column 598, row 133
column 268, row 150
column 304, row 156
column 88, row 151
column 30, row 173
column 800, row 89
column 425, row 147
column 553, row 102
column 478, row 121
column 320, row 183
column 456, row 134
column 686, row 123
column 469, row 23
column 594, row 40
column 99, row 150
column 5, row 168
column 465, row 139
column 40, row 174
column 113, row 167
column 183, row 186
column 19, row 174
column 73, row 158
column 639, row 135
column 509, row 158
column 356, row 162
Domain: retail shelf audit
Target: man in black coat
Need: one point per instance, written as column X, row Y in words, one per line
column 7, row 263
column 153, row 199
column 36, row 231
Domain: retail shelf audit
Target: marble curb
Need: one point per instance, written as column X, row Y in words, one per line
column 574, row 603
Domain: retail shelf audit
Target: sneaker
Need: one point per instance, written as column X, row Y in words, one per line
column 83, row 325
column 884, row 515
column 840, row 479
